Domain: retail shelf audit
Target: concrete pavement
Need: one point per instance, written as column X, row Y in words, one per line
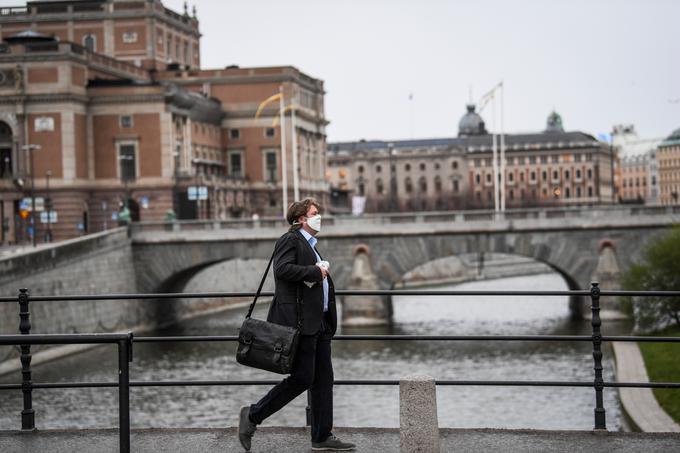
column 368, row 440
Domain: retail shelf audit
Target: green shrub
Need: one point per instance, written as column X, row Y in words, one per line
column 659, row 271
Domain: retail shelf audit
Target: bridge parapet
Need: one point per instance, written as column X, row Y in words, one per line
column 598, row 213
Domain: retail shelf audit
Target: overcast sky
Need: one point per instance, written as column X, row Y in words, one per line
column 596, row 62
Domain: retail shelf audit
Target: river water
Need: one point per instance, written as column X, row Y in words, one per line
column 459, row 407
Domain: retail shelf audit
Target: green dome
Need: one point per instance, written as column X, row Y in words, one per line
column 673, row 139
column 554, row 123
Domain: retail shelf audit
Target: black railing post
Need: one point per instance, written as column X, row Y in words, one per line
column 597, row 356
column 27, row 414
column 308, row 409
column 124, row 359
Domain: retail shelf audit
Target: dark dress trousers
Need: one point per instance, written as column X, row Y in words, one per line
column 295, row 270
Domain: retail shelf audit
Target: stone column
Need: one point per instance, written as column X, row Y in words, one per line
column 608, row 274
column 418, row 424
column 365, row 310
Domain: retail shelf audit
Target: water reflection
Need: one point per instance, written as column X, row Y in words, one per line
column 500, row 407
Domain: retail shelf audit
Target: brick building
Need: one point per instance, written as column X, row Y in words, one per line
column 103, row 104
column 552, row 167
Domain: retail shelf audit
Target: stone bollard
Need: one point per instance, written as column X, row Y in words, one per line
column 419, row 429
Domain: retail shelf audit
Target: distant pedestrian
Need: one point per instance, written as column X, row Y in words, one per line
column 298, row 267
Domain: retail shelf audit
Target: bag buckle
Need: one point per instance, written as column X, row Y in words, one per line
column 278, row 348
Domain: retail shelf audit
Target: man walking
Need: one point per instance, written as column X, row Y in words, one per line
column 300, row 270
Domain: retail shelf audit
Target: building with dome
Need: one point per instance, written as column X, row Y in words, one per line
column 471, row 123
column 668, row 162
column 548, row 168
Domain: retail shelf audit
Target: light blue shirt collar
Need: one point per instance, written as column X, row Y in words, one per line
column 309, row 238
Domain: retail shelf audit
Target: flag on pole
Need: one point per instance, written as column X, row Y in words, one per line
column 264, row 103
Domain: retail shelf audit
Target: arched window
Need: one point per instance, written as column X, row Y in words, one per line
column 378, row 168
column 90, row 42
column 437, row 184
column 5, row 151
column 408, row 185
column 407, row 167
column 422, row 184
column 422, row 166
column 379, row 186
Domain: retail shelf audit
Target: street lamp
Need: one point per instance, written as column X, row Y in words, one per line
column 175, row 193
column 30, row 148
column 195, row 163
column 611, row 165
column 48, row 207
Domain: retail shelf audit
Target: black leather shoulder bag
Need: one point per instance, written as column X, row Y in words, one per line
column 266, row 345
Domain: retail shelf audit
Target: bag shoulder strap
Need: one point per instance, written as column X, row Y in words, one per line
column 259, row 288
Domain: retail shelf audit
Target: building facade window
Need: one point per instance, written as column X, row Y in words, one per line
column 270, row 166
column 270, row 132
column 407, row 167
column 90, row 42
column 422, row 166
column 422, row 184
column 378, row 169
column 379, row 188
column 236, row 164
column 234, row 134
column 127, row 158
column 126, row 121
column 408, row 185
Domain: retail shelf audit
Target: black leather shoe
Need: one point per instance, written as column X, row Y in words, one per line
column 246, row 428
column 332, row 444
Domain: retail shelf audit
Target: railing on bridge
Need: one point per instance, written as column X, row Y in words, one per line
column 125, row 341
column 592, row 212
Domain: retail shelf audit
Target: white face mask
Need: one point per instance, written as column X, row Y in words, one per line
column 314, row 222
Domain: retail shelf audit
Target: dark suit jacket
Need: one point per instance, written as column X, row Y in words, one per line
column 295, row 263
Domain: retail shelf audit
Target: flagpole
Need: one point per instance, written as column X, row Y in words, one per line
column 495, row 155
column 502, row 87
column 296, row 181
column 284, row 169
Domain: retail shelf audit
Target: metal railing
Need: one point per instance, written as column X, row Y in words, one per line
column 124, row 341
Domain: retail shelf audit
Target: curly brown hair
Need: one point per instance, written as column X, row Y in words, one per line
column 300, row 208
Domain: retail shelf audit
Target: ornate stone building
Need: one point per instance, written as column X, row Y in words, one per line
column 638, row 180
column 103, row 104
column 668, row 161
column 552, row 167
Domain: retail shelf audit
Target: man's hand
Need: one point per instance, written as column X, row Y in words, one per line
column 324, row 270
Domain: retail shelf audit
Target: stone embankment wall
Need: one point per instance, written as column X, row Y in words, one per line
column 97, row 264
